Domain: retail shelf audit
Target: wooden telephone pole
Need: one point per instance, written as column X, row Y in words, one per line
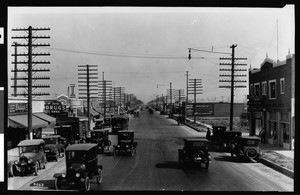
column 30, row 80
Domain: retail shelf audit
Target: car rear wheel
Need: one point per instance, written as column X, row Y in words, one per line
column 206, row 165
column 99, row 176
column 36, row 168
column 87, row 184
column 251, row 153
column 57, row 183
column 14, row 171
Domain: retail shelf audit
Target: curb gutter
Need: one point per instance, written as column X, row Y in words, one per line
column 278, row 168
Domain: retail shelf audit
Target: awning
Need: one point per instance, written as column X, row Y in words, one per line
column 45, row 117
column 21, row 121
column 93, row 112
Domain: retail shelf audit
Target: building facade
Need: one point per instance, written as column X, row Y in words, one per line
column 271, row 101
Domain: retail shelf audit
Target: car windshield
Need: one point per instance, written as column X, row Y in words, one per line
column 50, row 141
column 76, row 156
column 125, row 136
column 97, row 134
column 28, row 149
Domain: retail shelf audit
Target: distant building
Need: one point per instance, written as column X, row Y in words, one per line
column 271, row 101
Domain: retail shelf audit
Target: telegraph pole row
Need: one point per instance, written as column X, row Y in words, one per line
column 194, row 88
column 29, row 71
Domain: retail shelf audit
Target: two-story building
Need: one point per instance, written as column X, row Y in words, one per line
column 272, row 101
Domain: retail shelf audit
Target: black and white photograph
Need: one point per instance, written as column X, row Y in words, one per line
column 125, row 98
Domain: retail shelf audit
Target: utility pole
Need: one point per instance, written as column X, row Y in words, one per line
column 29, row 71
column 88, row 87
column 16, row 67
column 194, row 88
column 232, row 80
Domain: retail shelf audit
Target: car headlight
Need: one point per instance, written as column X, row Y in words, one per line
column 16, row 162
column 77, row 175
column 63, row 175
column 127, row 146
column 29, row 161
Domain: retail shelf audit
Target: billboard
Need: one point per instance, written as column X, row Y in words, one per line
column 201, row 109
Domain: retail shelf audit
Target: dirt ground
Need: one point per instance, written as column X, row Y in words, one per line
column 224, row 121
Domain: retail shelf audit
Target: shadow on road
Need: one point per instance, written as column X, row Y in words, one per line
column 168, row 164
column 232, row 159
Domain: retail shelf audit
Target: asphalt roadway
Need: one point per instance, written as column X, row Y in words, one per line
column 155, row 166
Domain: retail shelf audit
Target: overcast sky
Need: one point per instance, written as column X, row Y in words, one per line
column 138, row 48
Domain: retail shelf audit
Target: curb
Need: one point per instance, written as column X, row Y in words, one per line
column 278, row 168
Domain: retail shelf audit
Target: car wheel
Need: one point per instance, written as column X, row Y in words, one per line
column 56, row 156
column 87, row 184
column 132, row 152
column 99, row 176
column 251, row 153
column 206, row 165
column 14, row 171
column 36, row 168
column 57, row 183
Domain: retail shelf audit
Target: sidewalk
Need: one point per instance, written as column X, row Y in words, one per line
column 272, row 156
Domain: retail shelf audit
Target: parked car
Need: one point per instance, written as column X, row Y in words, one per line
column 100, row 137
column 54, row 147
column 228, row 138
column 247, row 147
column 31, row 158
column 194, row 152
column 126, row 143
column 82, row 164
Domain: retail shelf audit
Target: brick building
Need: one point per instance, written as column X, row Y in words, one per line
column 272, row 101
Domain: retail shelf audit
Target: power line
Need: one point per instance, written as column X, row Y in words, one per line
column 122, row 55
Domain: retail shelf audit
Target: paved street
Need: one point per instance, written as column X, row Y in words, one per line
column 155, row 166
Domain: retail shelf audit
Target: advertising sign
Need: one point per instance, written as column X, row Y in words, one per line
column 54, row 107
column 201, row 109
column 17, row 108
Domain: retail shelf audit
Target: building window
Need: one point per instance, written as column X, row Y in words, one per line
column 257, row 89
column 264, row 88
column 272, row 89
column 282, row 86
column 251, row 89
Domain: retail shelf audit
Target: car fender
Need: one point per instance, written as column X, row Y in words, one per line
column 57, row 175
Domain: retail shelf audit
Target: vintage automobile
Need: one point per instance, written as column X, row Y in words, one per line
column 227, row 138
column 194, row 152
column 126, row 143
column 82, row 164
column 150, row 110
column 31, row 158
column 118, row 123
column 246, row 147
column 136, row 114
column 180, row 120
column 98, row 124
column 100, row 137
column 54, row 147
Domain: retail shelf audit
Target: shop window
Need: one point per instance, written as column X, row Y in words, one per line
column 282, row 86
column 285, row 128
column 264, row 88
column 272, row 89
